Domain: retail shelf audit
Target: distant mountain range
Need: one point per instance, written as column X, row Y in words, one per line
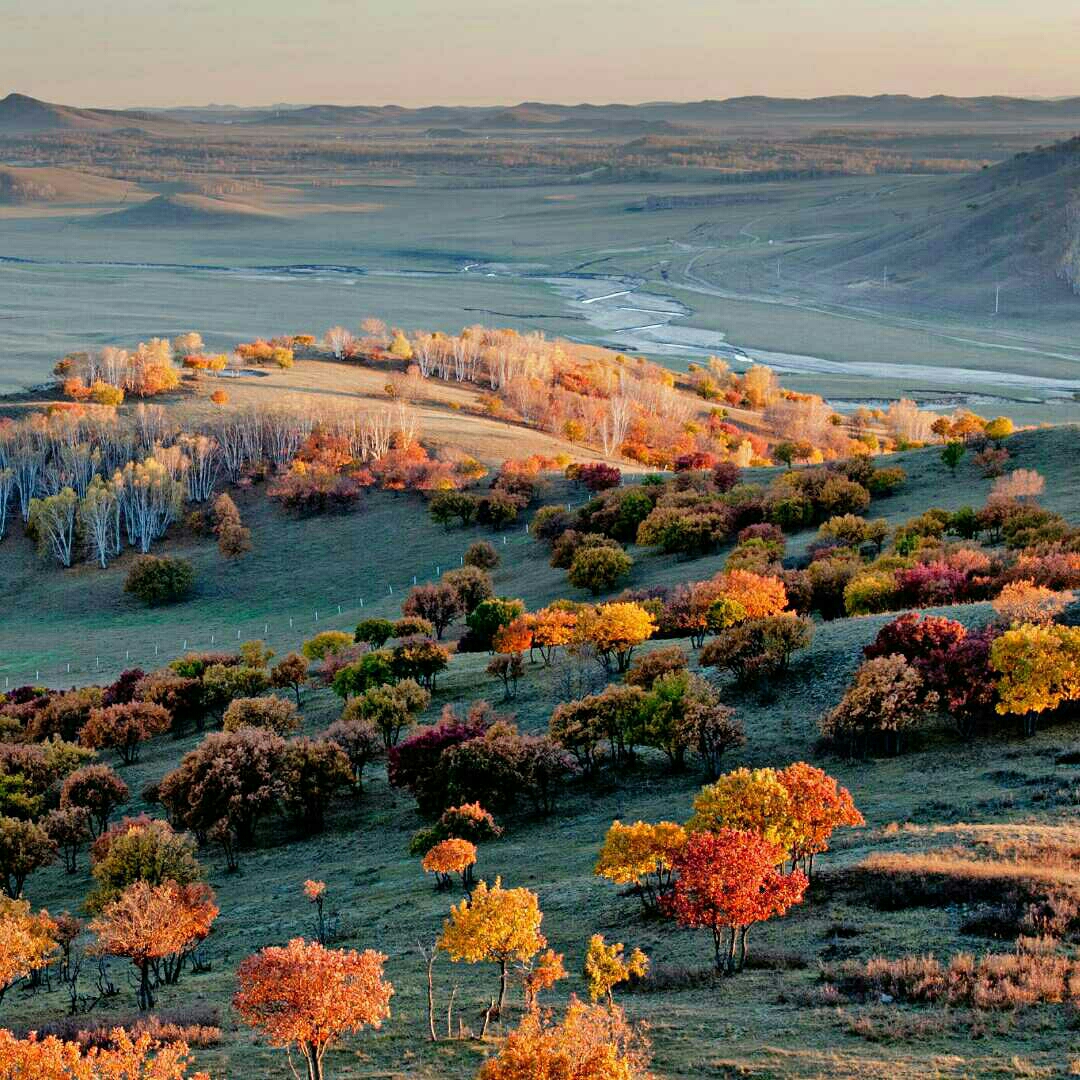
column 19, row 113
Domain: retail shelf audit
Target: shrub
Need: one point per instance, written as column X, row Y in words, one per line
column 599, row 569
column 360, row 741
column 325, row 644
column 158, row 580
column 886, row 698
column 421, row 659
column 290, row 672
column 374, row 632
column 482, row 555
column 268, row 713
column 125, row 727
column 470, row 821
column 98, row 790
column 606, row 967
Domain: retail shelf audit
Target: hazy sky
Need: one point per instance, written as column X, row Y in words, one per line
column 413, row 52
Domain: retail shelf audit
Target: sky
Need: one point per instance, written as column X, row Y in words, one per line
column 125, row 53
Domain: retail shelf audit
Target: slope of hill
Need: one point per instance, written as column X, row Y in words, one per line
column 1005, row 223
column 21, row 185
column 182, row 211
column 781, row 1017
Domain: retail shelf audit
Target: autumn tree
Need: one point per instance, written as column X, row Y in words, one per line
column 27, row 942
column 494, row 925
column 448, row 857
column 472, row 585
column 747, row 800
column 98, row 791
column 614, row 631
column 234, row 778
column 305, row 996
column 886, row 698
column 149, row 924
column 359, row 739
column 818, row 806
column 726, row 881
column 1038, row 668
column 312, row 771
column 290, row 672
column 123, row 1058
column 642, row 856
column 325, row 644
column 482, row 554
column 374, row 632
column 542, row 974
column 599, row 569
column 440, row 604
column 24, row 847
column 69, row 829
column 140, row 849
column 551, row 628
column 592, row 1043
column 391, row 709
column 606, row 967
column 124, row 728
column 268, row 713
column 1025, row 602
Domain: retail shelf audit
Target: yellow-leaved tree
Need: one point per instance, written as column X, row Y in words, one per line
column 497, row 926
column 1038, row 668
column 614, row 631
column 641, row 855
column 606, row 967
column 748, row 800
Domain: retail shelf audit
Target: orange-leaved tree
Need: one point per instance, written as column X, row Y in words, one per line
column 591, row 1043
column 494, row 925
column 641, row 855
column 759, row 595
column 306, row 996
column 818, row 806
column 27, row 941
column 156, row 926
column 124, row 1058
column 452, row 856
column 727, row 881
column 543, row 973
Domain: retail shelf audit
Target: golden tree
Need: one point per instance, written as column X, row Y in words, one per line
column 641, row 855
column 124, row 1058
column 497, row 926
column 592, row 1043
column 606, row 967
column 1026, row 602
column 543, row 974
column 27, row 941
column 306, row 996
column 752, row 801
column 614, row 631
column 1038, row 668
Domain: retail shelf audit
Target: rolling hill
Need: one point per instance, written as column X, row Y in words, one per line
column 182, row 211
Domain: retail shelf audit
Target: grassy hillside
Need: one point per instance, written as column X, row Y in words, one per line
column 770, row 1021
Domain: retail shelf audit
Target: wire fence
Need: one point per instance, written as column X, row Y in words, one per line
column 284, row 630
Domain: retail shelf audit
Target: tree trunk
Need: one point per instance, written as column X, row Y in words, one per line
column 742, row 947
column 503, row 974
column 313, row 1061
column 729, row 967
column 146, row 995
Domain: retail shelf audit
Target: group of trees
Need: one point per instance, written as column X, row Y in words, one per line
column 1020, row 664
column 745, row 854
